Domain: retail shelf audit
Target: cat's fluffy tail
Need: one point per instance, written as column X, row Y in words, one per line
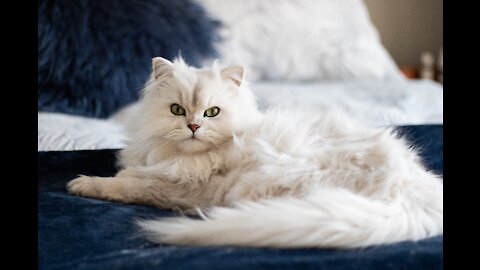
column 326, row 218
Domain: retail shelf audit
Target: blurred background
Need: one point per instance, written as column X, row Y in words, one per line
column 408, row 29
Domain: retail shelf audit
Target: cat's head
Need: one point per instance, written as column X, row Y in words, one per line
column 195, row 110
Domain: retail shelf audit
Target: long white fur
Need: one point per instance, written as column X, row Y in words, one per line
column 325, row 218
column 279, row 179
column 347, row 207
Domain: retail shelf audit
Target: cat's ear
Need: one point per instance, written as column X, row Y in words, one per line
column 161, row 67
column 233, row 73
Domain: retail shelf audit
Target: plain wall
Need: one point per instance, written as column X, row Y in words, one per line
column 408, row 27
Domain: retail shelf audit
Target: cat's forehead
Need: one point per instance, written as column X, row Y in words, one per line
column 198, row 89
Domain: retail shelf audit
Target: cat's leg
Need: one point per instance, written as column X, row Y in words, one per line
column 133, row 186
column 125, row 189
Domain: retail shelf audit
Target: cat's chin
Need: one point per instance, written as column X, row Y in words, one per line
column 194, row 145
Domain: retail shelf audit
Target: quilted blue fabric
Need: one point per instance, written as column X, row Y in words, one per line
column 81, row 233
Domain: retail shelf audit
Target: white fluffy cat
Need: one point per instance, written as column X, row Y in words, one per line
column 279, row 179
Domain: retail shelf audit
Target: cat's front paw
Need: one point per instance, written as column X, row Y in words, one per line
column 82, row 186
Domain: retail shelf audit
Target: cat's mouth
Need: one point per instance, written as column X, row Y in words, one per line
column 193, row 138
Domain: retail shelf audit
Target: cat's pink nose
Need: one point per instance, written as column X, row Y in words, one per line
column 193, row 127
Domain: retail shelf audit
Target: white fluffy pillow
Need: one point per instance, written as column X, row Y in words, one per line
column 302, row 39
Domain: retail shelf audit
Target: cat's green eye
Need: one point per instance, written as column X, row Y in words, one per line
column 212, row 112
column 177, row 109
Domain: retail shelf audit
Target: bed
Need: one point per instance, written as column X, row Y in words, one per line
column 80, row 116
column 82, row 233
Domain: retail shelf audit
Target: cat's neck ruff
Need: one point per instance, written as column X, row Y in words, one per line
column 190, row 166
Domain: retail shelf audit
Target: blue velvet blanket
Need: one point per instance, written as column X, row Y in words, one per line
column 81, row 233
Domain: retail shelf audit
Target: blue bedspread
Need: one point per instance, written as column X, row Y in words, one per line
column 82, row 233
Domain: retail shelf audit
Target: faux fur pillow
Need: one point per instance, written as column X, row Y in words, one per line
column 95, row 55
column 302, row 39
